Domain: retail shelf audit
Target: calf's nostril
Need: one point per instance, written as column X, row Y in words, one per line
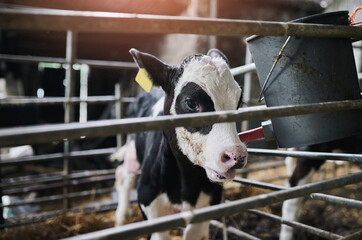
column 239, row 163
column 226, row 157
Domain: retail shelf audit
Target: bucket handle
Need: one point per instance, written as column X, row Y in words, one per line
column 272, row 68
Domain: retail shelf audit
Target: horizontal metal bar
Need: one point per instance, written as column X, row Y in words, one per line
column 338, row 200
column 276, row 178
column 46, row 187
column 216, row 211
column 12, row 182
column 90, row 62
column 60, row 100
column 50, row 214
column 259, row 184
column 243, row 69
column 57, row 156
column 30, row 59
column 234, row 231
column 58, row 197
column 313, row 230
column 107, row 64
column 100, row 63
column 260, row 166
column 86, row 21
column 56, row 132
column 308, row 155
column 354, row 236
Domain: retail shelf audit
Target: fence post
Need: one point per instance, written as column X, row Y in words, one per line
column 118, row 109
column 68, row 108
column 2, row 220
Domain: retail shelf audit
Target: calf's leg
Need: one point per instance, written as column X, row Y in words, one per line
column 301, row 175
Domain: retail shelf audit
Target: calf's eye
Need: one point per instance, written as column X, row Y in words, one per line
column 191, row 105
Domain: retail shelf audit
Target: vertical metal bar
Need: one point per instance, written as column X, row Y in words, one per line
column 213, row 14
column 247, row 87
column 69, row 75
column 83, row 93
column 68, row 109
column 118, row 109
column 334, row 169
column 2, row 220
column 224, row 229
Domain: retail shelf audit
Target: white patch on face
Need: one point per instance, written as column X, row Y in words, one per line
column 206, row 150
column 214, row 77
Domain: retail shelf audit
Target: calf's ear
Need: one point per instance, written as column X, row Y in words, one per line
column 158, row 71
column 214, row 53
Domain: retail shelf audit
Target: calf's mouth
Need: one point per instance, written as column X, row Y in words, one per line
column 229, row 175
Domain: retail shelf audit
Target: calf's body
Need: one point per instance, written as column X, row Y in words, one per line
column 183, row 168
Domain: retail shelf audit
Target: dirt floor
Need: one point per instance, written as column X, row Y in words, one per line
column 327, row 216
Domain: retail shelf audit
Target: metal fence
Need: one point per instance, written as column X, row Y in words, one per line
column 75, row 21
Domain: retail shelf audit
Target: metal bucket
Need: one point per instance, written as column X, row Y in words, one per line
column 311, row 70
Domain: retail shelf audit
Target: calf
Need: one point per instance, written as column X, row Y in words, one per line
column 182, row 169
column 303, row 171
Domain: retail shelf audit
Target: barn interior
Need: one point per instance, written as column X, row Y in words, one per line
column 65, row 187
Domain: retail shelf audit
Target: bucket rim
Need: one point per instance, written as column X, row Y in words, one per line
column 302, row 20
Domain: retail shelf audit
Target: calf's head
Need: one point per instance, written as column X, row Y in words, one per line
column 202, row 83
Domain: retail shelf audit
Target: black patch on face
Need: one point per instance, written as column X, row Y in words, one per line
column 193, row 99
column 170, row 91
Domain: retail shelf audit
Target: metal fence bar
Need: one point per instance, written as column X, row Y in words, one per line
column 68, row 107
column 338, row 200
column 308, row 155
column 43, row 187
column 90, row 62
column 100, row 63
column 243, row 69
column 2, row 220
column 118, row 110
column 63, row 20
column 53, row 132
column 353, row 236
column 258, row 167
column 30, row 59
column 315, row 231
column 61, row 100
column 107, row 64
column 258, row 184
column 216, row 211
column 234, row 231
column 59, row 197
column 46, row 215
column 12, row 182
column 57, row 156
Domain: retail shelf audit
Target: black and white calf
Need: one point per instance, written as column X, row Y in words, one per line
column 182, row 169
column 301, row 171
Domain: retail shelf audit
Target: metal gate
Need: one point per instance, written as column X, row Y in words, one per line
column 75, row 21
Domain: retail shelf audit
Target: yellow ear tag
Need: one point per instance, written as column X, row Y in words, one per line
column 143, row 78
